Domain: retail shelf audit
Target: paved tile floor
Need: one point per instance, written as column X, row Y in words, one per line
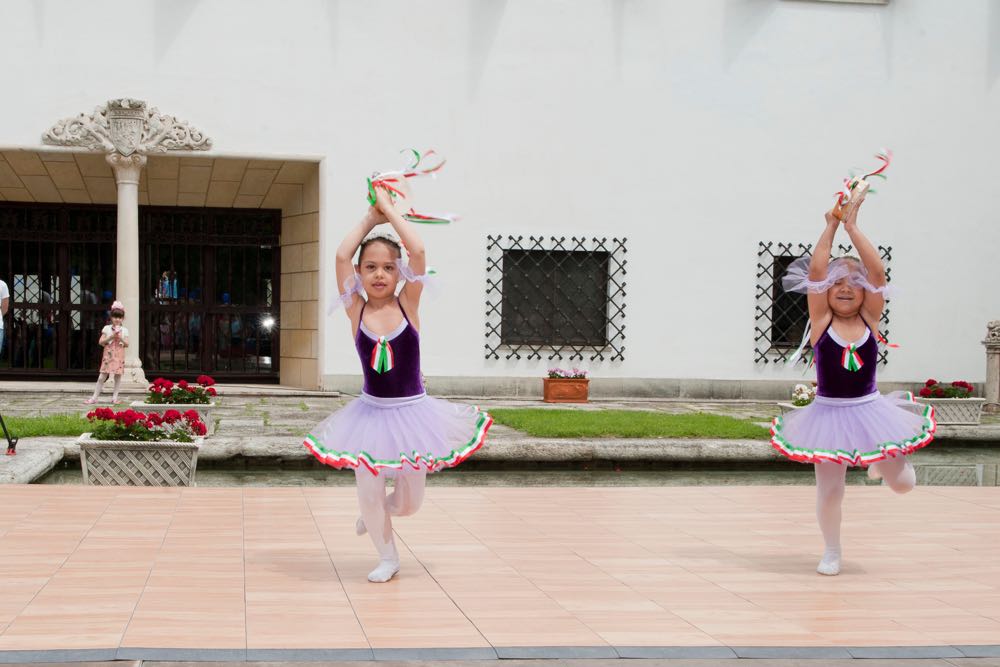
column 281, row 568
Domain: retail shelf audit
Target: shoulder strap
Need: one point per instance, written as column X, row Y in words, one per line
column 402, row 310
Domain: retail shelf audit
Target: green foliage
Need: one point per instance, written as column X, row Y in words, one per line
column 556, row 423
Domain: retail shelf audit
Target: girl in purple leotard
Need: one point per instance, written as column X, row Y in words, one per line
column 849, row 423
column 394, row 429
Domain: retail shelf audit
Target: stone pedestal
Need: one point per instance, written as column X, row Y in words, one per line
column 992, row 389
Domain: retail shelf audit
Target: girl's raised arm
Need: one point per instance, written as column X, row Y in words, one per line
column 345, row 256
column 819, row 307
column 413, row 244
column 874, row 302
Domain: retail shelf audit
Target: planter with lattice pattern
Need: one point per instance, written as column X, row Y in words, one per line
column 138, row 463
column 955, row 410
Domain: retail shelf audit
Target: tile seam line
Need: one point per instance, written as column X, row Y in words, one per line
column 528, row 579
column 442, row 589
column 149, row 573
column 333, row 564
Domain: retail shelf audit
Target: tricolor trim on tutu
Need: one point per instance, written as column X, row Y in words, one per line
column 414, row 460
column 882, row 452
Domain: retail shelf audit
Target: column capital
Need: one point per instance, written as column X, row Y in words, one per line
column 127, row 168
column 992, row 339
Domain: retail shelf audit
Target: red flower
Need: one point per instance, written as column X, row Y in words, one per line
column 183, row 384
column 170, row 416
column 938, row 392
column 925, row 392
column 104, row 413
column 191, row 415
column 199, row 428
column 211, row 391
column 205, row 381
column 930, row 383
column 156, row 418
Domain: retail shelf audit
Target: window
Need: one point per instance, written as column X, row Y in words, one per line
column 544, row 295
column 789, row 310
column 554, row 297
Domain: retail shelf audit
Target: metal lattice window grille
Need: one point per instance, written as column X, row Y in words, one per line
column 781, row 317
column 546, row 296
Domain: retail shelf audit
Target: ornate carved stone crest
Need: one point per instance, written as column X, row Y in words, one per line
column 125, row 123
column 127, row 126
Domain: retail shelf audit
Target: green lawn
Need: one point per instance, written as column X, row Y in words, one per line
column 546, row 423
column 27, row 427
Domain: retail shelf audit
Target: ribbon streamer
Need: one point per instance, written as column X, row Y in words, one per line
column 426, row 164
column 844, row 194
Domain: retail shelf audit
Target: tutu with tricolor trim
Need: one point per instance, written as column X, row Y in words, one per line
column 407, row 433
column 855, row 431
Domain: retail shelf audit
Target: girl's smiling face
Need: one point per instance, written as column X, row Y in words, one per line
column 845, row 297
column 378, row 269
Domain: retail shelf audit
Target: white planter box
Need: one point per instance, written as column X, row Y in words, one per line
column 130, row 463
column 204, row 410
column 789, row 407
column 955, row 410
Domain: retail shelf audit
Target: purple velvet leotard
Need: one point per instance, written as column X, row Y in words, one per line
column 833, row 380
column 403, row 379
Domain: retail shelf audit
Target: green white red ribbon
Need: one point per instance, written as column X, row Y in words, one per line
column 851, row 360
column 844, row 194
column 425, row 164
column 382, row 356
column 881, row 339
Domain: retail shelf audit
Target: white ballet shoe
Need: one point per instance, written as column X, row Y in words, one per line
column 829, row 565
column 359, row 526
column 385, row 571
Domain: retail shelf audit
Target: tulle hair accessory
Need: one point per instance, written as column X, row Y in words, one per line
column 796, row 278
column 118, row 305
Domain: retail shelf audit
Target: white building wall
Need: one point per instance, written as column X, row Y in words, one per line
column 694, row 128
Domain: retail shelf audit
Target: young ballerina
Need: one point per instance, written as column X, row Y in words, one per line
column 393, row 429
column 114, row 340
column 849, row 423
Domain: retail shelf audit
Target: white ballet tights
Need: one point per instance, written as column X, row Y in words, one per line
column 899, row 476
column 101, row 379
column 377, row 511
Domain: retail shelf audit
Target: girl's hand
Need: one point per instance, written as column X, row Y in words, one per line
column 831, row 217
column 374, row 218
column 384, row 201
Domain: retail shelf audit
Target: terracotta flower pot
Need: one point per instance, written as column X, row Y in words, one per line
column 565, row 390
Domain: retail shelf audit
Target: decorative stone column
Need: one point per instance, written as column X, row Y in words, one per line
column 992, row 389
column 126, row 130
column 127, row 169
